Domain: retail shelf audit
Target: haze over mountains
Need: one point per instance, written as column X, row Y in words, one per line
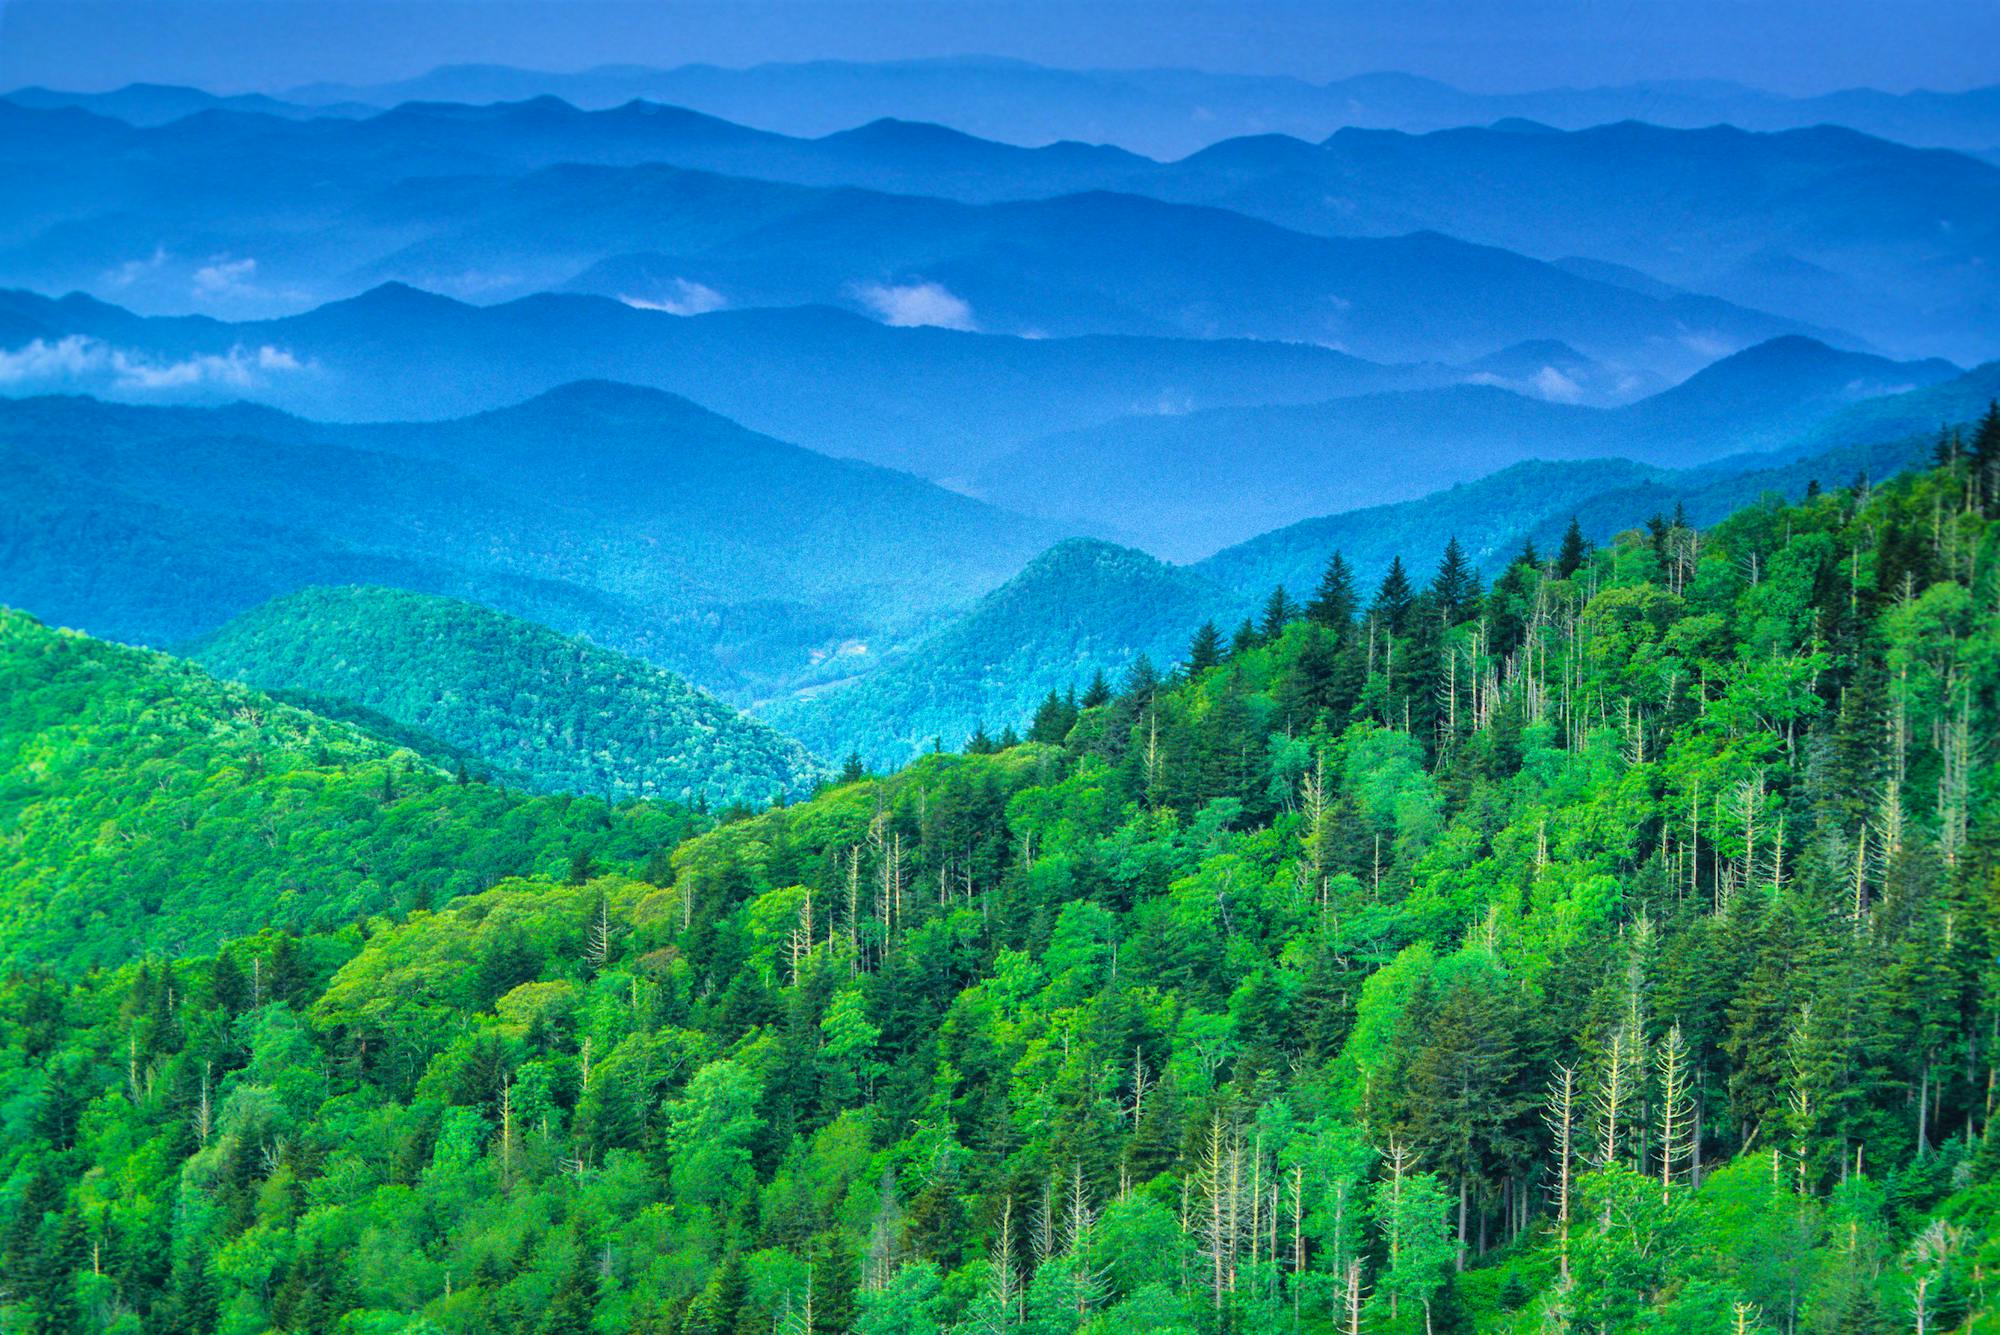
column 1170, row 112
column 588, row 350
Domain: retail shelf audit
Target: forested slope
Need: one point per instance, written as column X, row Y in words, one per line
column 1613, row 949
column 567, row 714
column 147, row 807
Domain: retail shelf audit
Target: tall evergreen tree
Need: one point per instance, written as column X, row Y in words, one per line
column 1205, row 651
column 1278, row 610
column 1573, row 552
column 1333, row 602
column 1456, row 587
column 1394, row 598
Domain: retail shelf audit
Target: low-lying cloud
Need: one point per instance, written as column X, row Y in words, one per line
column 1556, row 387
column 683, row 298
column 80, row 358
column 906, row 305
column 226, row 278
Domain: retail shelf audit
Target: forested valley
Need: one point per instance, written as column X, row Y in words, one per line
column 1609, row 949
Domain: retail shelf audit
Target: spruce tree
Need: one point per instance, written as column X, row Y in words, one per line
column 1245, row 639
column 1053, row 719
column 1394, row 598
column 1141, row 682
column 1574, row 551
column 1456, row 588
column 1984, row 452
column 854, row 769
column 1333, row 602
column 1097, row 693
column 1278, row 609
column 1205, row 650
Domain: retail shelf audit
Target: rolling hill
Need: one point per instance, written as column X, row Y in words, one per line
column 562, row 712
column 150, row 807
column 1081, row 607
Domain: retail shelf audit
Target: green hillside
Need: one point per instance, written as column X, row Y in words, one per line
column 1081, row 608
column 1611, row 949
column 567, row 715
column 148, row 808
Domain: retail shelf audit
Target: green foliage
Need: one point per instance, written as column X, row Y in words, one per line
column 565, row 714
column 149, row 807
column 1229, row 1002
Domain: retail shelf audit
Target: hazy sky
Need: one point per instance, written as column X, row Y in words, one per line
column 1797, row 46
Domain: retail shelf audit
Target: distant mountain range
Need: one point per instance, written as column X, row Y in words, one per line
column 255, row 215
column 629, row 515
column 1170, row 112
column 967, row 673
column 1183, row 486
column 934, row 401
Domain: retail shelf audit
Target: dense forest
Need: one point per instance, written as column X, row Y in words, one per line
column 562, row 712
column 1609, row 949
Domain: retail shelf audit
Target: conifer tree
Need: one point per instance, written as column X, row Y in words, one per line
column 1394, row 598
column 1573, row 552
column 1278, row 610
column 1456, row 588
column 1205, row 651
column 1333, row 604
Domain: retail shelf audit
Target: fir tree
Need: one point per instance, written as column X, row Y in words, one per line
column 1394, row 598
column 1205, row 650
column 1097, row 693
column 1574, row 551
column 1278, row 610
column 1456, row 588
column 1333, row 601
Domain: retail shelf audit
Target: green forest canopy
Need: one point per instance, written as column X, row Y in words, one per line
column 1613, row 948
column 569, row 715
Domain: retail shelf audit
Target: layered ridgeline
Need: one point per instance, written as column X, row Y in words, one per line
column 1609, row 949
column 289, row 212
column 151, row 808
column 1078, row 609
column 1186, row 485
column 558, row 710
column 1099, row 616
column 658, row 204
column 635, row 517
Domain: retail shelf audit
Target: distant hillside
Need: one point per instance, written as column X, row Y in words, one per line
column 151, row 808
column 650, row 525
column 568, row 715
column 1493, row 516
column 1079, row 608
column 1184, row 486
column 937, row 402
column 1158, row 607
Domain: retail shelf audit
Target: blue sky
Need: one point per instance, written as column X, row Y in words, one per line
column 1796, row 46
